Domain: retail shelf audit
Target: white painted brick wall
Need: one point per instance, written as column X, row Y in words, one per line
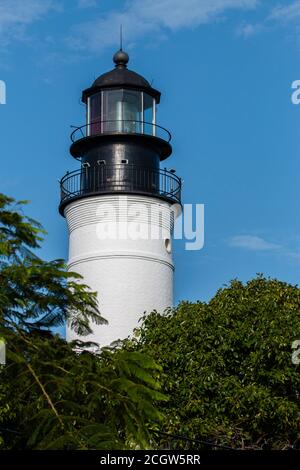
column 130, row 276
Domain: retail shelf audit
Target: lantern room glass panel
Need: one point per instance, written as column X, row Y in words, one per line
column 149, row 115
column 132, row 111
column 94, row 114
column 112, row 114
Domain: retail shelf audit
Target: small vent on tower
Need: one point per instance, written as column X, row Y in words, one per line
column 101, row 162
column 168, row 245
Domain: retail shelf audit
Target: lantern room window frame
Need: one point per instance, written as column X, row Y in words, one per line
column 96, row 124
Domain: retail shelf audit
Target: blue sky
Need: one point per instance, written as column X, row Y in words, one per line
column 225, row 69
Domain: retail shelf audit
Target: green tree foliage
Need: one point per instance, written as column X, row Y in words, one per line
column 227, row 366
column 55, row 395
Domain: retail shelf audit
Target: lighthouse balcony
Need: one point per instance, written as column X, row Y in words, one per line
column 120, row 126
column 120, row 130
column 122, row 179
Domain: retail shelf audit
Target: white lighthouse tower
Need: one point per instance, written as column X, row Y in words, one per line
column 120, row 205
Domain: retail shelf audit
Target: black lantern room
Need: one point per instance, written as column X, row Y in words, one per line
column 120, row 146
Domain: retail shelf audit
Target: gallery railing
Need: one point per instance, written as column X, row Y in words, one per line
column 120, row 178
column 121, row 126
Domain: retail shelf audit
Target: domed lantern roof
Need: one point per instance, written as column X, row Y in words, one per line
column 121, row 77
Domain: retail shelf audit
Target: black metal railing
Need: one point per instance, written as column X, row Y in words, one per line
column 120, row 126
column 122, row 178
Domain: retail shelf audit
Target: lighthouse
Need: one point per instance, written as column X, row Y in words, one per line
column 121, row 203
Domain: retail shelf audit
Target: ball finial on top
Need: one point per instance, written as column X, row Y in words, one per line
column 121, row 58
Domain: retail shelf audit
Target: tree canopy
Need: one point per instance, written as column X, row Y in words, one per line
column 227, row 366
column 55, row 395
